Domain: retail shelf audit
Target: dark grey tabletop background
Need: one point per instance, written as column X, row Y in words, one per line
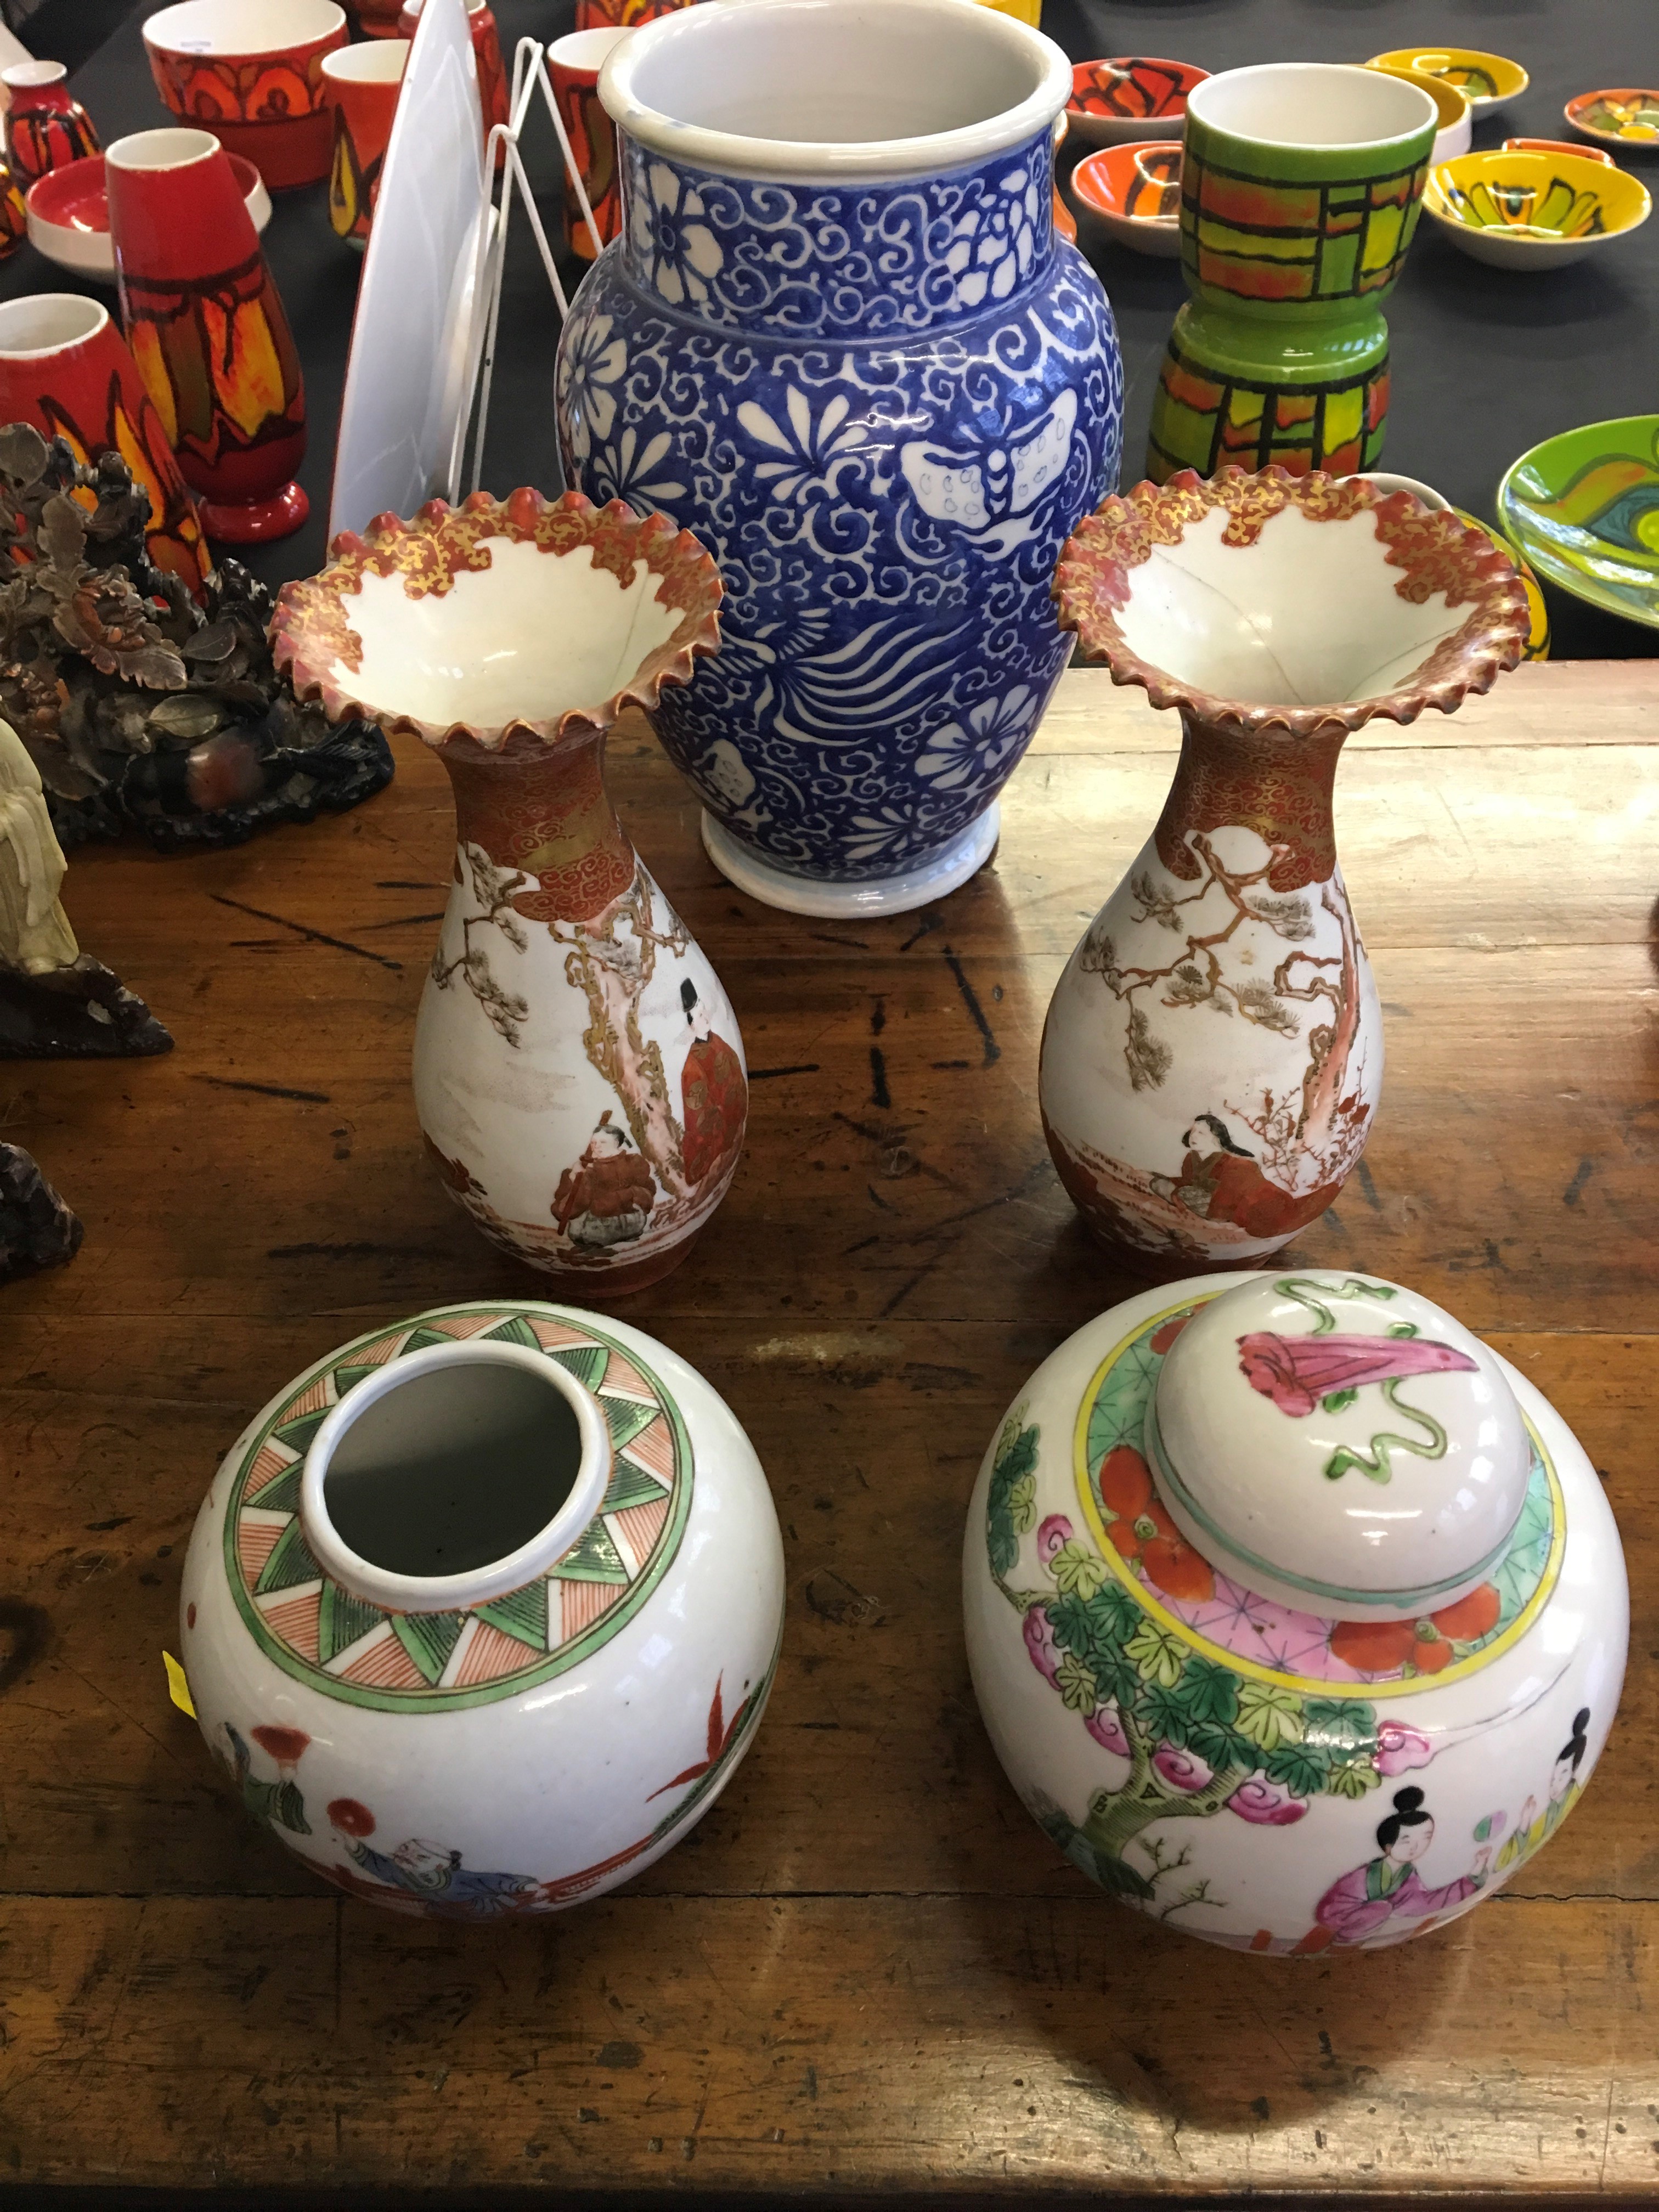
column 1486, row 363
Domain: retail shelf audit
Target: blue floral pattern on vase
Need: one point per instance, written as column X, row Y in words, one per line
column 883, row 408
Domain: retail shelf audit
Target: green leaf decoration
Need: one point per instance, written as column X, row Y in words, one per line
column 341, row 1620
column 515, row 1329
column 1268, row 1714
column 1298, row 1769
column 282, row 1493
column 1119, row 1682
column 1015, row 1460
column 347, row 1377
column 1336, row 1399
column 1209, row 1691
column 1021, row 1502
column 1352, row 1781
column 1078, row 1572
column 1161, row 1714
column 593, row 1557
column 290, row 1564
column 1219, row 1747
column 626, row 1418
column 429, row 1639
column 586, row 1362
column 1077, row 1685
column 1159, row 1654
column 630, row 1485
column 1343, row 1726
column 522, row 1613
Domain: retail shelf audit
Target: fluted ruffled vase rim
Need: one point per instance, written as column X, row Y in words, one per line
column 311, row 639
column 1091, row 581
column 731, row 153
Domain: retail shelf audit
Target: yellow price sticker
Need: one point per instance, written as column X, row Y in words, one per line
column 177, row 1687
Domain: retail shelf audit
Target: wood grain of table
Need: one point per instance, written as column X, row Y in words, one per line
column 867, row 1973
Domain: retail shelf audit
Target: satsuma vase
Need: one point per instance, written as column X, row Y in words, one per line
column 481, row 1611
column 1213, row 1051
column 1297, row 1616
column 1301, row 184
column 579, row 1073
column 838, row 337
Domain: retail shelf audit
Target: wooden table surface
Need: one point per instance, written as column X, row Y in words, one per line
column 866, row 1972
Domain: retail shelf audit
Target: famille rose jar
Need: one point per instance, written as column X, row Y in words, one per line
column 578, row 1071
column 1300, row 187
column 1277, row 613
column 1295, row 1615
column 481, row 1611
column 838, row 337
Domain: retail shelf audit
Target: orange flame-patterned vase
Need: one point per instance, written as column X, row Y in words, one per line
column 579, row 1074
column 63, row 368
column 1300, row 189
column 45, row 125
column 572, row 67
column 208, row 332
column 1185, row 1141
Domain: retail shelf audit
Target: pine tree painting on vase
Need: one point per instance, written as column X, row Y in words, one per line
column 579, row 1073
column 1213, row 1052
column 1301, row 184
column 867, row 371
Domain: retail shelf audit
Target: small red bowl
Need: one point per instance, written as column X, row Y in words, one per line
column 68, row 213
column 1133, row 97
column 250, row 72
column 1132, row 194
column 1625, row 116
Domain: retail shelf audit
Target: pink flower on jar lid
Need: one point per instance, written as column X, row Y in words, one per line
column 1266, row 1802
column 1055, row 1531
column 1106, row 1727
column 1182, row 1769
column 1296, row 1371
column 1040, row 1641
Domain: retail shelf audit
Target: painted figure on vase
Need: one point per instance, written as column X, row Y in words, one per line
column 714, row 1096
column 607, row 1197
column 1533, row 1829
column 1389, row 1888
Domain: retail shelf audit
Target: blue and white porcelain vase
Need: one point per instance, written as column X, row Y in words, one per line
column 839, row 337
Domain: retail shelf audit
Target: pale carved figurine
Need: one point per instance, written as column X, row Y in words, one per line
column 35, row 932
column 56, row 1002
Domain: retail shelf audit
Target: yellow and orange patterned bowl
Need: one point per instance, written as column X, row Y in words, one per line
column 1533, row 211
column 250, row 72
column 1485, row 81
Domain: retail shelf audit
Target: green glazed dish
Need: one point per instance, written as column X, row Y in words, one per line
column 1584, row 510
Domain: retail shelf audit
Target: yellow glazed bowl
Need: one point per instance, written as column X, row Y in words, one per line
column 1486, row 81
column 1452, row 132
column 1532, row 211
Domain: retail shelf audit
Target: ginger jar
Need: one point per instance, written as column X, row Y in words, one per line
column 481, row 1611
column 1297, row 1616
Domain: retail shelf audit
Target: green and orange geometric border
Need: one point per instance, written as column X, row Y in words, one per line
column 324, row 1636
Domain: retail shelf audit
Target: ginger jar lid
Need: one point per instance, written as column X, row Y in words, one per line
column 1338, row 1444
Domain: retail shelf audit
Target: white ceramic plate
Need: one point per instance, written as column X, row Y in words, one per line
column 416, row 340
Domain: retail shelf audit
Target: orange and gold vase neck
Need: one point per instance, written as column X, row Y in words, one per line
column 547, row 815
column 1275, row 783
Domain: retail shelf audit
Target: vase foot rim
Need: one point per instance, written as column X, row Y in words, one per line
column 940, row 873
column 251, row 522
